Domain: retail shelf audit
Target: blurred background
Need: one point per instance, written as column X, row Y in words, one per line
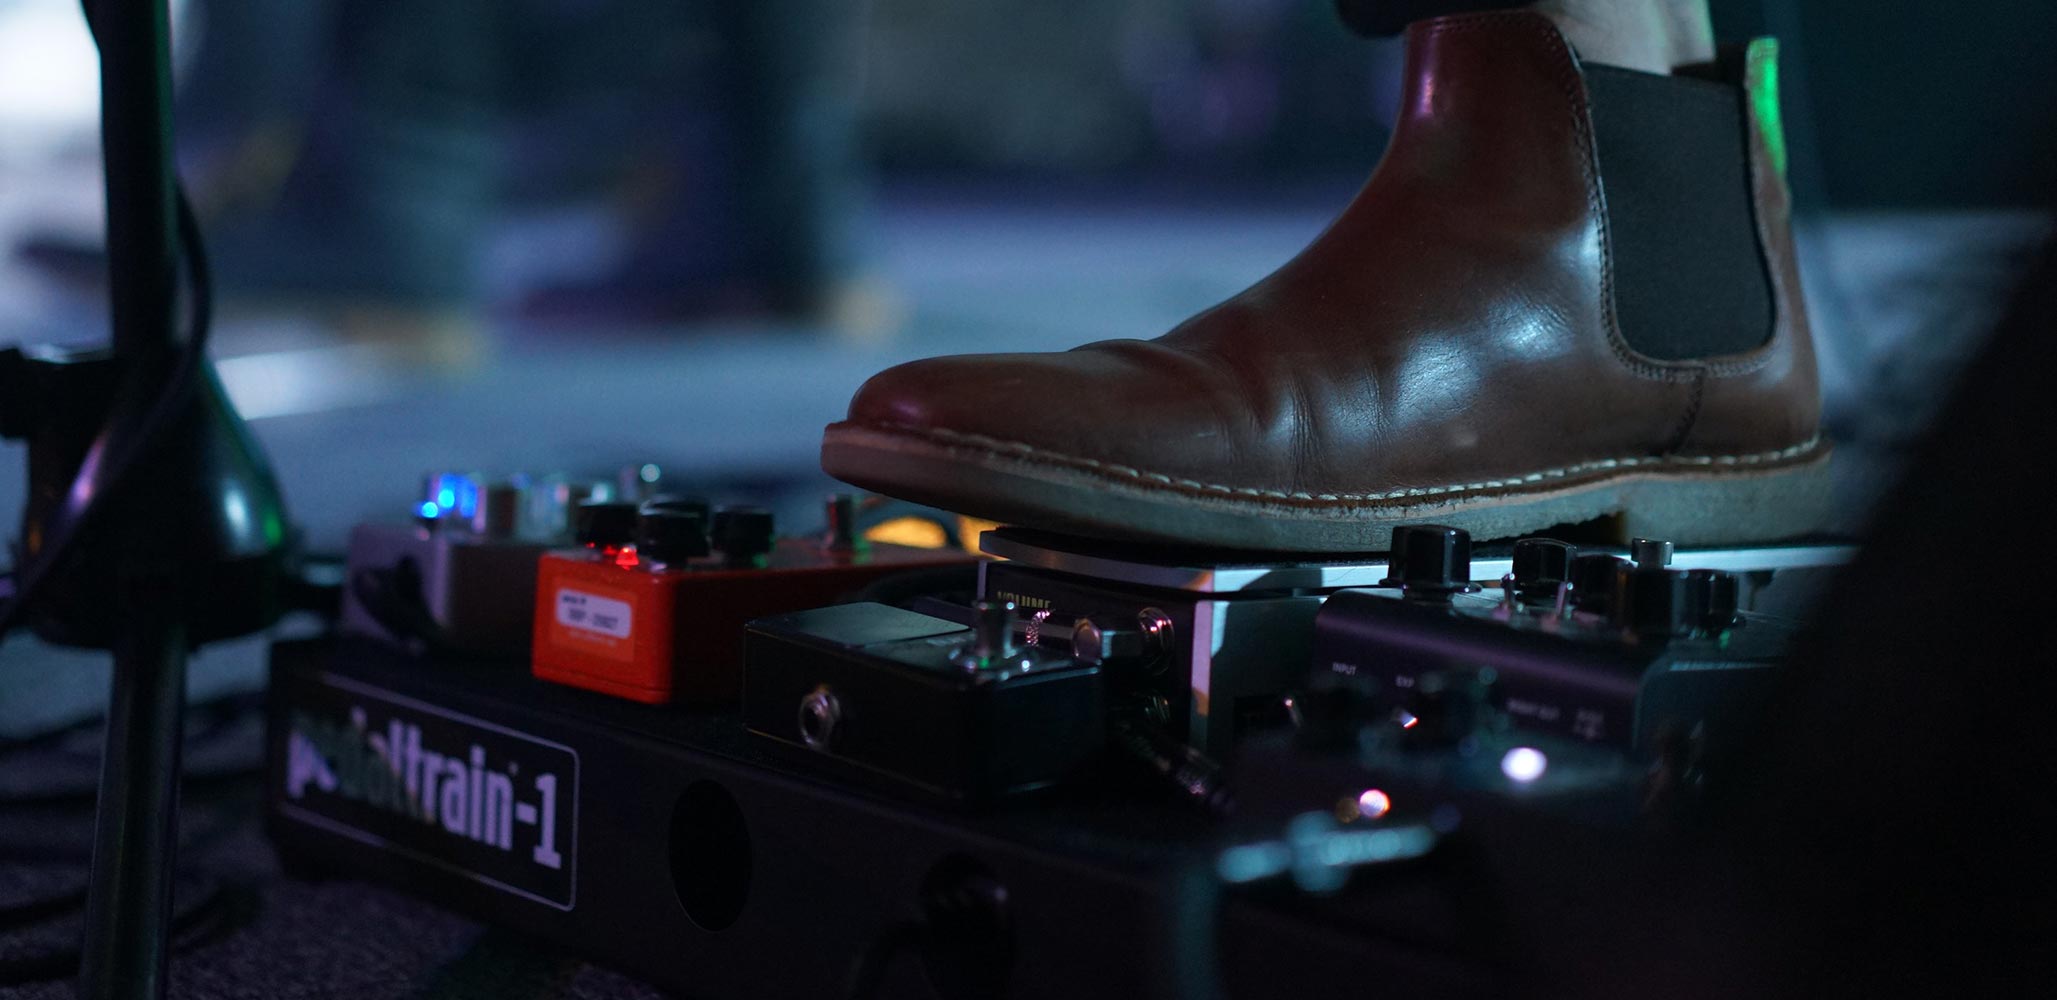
column 583, row 235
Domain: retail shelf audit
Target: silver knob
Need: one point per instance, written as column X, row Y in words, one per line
column 1145, row 645
column 992, row 630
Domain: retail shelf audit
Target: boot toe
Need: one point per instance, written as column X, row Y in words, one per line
column 949, row 393
column 1055, row 404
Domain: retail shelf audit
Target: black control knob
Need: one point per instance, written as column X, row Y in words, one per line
column 743, row 534
column 1650, row 553
column 1657, row 602
column 604, row 522
column 1430, row 560
column 679, row 501
column 670, row 536
column 1596, row 581
column 1540, row 564
column 841, row 534
column 1718, row 596
column 1670, row 602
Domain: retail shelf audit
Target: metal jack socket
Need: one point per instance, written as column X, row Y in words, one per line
column 1145, row 646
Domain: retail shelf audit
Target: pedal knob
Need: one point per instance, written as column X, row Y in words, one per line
column 670, row 536
column 1596, row 580
column 1649, row 553
column 743, row 533
column 1430, row 560
column 1540, row 564
column 604, row 522
column 499, row 511
column 1660, row 602
column 992, row 637
column 681, row 502
column 993, row 629
column 1718, row 597
column 841, row 535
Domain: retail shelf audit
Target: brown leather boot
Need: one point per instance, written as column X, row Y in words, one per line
column 1460, row 347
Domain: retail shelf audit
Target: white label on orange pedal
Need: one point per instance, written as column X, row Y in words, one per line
column 593, row 613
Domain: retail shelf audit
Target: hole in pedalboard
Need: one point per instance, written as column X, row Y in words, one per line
column 710, row 855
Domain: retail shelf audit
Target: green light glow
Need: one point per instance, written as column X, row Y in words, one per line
column 1764, row 105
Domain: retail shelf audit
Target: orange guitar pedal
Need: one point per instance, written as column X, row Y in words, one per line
column 652, row 607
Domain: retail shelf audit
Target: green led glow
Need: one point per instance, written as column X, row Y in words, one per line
column 1764, row 106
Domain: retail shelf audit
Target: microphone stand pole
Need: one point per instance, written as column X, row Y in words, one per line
column 129, row 903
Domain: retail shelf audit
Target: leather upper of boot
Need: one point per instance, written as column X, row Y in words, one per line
column 1453, row 329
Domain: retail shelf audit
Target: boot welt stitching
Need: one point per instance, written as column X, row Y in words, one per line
column 1029, row 451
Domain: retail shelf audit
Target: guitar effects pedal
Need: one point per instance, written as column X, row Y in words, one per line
column 459, row 577
column 919, row 704
column 1629, row 653
column 651, row 606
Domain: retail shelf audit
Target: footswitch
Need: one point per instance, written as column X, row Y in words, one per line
column 651, row 607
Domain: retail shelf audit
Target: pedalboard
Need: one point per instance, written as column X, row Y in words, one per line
column 709, row 755
column 668, row 843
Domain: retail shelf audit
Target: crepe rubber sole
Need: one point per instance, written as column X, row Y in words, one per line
column 1689, row 500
